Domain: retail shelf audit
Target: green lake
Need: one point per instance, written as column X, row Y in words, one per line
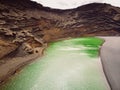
column 72, row 64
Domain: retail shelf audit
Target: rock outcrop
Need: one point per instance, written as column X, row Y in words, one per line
column 26, row 25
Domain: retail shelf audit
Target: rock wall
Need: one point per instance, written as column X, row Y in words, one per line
column 28, row 24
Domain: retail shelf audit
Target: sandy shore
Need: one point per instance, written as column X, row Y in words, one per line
column 110, row 57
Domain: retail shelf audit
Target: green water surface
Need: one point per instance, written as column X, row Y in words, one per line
column 67, row 65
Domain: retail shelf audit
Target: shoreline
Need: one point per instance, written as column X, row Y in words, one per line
column 20, row 62
column 110, row 61
column 13, row 65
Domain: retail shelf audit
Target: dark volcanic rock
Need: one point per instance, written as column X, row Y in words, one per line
column 23, row 22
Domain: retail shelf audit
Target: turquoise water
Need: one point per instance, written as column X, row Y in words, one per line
column 67, row 65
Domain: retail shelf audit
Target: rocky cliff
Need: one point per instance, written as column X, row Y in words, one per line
column 26, row 25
